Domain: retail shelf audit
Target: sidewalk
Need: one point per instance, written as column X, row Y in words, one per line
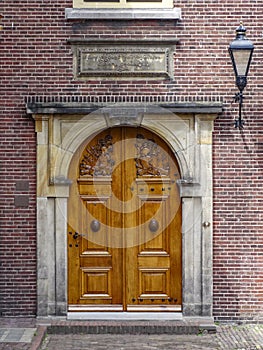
column 29, row 334
column 20, row 334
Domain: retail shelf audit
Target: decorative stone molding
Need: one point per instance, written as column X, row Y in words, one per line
column 96, row 59
column 189, row 135
column 75, row 104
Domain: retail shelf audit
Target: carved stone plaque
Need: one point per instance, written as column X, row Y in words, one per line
column 123, row 61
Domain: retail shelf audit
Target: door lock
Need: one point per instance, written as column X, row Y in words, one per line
column 75, row 236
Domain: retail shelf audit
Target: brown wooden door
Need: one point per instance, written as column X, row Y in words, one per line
column 124, row 224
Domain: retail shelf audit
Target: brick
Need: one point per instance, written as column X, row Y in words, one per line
column 37, row 61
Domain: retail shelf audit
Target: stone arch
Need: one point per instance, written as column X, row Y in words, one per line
column 88, row 125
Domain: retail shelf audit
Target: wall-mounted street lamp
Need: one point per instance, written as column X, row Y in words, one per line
column 240, row 50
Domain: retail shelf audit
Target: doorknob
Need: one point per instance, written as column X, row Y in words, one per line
column 95, row 225
column 153, row 225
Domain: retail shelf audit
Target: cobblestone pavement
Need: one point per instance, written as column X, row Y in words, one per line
column 228, row 337
column 246, row 337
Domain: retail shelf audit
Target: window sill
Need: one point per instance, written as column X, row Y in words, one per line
column 123, row 14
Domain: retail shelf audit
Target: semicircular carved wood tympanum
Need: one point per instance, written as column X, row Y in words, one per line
column 151, row 160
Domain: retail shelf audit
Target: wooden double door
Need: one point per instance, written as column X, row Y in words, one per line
column 124, row 224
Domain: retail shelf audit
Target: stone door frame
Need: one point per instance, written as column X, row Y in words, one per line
column 188, row 131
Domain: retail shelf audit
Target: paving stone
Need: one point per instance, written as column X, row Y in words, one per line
column 249, row 337
column 128, row 342
column 17, row 335
column 228, row 337
column 14, row 335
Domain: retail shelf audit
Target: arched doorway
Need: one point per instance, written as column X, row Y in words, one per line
column 124, row 224
column 60, row 132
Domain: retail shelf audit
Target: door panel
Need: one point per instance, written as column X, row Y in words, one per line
column 124, row 224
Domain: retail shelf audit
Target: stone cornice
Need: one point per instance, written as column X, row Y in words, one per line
column 86, row 108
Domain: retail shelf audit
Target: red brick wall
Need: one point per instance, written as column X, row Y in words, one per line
column 17, row 224
column 37, row 60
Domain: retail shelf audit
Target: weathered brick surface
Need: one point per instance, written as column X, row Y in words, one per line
column 228, row 337
column 36, row 60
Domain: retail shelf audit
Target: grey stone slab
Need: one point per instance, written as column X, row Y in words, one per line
column 124, row 316
column 17, row 335
column 28, row 335
column 123, row 14
column 14, row 335
column 84, row 108
column 2, row 331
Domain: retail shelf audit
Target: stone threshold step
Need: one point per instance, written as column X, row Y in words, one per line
column 129, row 327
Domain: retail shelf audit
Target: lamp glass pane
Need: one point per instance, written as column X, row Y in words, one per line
column 241, row 58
